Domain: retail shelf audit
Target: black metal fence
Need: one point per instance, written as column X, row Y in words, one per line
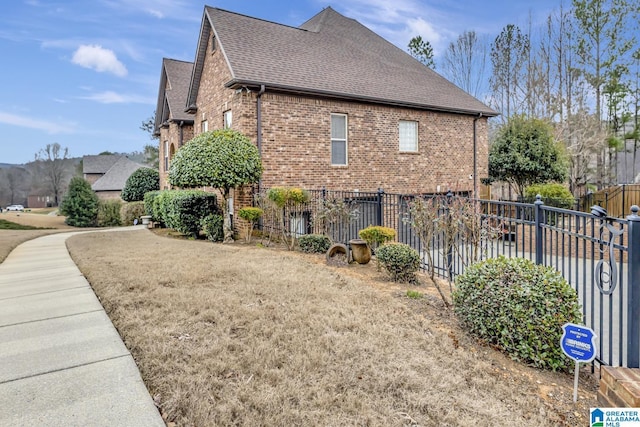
column 598, row 255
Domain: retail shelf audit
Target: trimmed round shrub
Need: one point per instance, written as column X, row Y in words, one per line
column 376, row 235
column 80, row 205
column 519, row 307
column 109, row 213
column 139, row 183
column 131, row 211
column 212, row 227
column 282, row 196
column 250, row 214
column 314, row 243
column 401, row 261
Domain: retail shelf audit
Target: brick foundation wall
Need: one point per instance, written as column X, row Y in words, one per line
column 619, row 387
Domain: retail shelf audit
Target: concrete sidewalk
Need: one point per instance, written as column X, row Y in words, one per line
column 62, row 363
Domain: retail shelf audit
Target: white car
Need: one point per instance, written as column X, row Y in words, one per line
column 15, row 208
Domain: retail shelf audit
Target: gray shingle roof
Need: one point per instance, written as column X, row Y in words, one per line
column 329, row 55
column 116, row 177
column 174, row 88
column 99, row 163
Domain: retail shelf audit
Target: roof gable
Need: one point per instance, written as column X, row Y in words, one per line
column 329, row 55
column 174, row 88
column 116, row 177
column 100, row 163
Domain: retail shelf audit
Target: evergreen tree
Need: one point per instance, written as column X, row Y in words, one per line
column 80, row 204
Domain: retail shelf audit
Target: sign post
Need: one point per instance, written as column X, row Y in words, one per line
column 578, row 343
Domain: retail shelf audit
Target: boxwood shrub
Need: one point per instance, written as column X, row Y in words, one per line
column 314, row 243
column 109, row 213
column 183, row 210
column 212, row 227
column 401, row 261
column 150, row 207
column 376, row 235
column 519, row 307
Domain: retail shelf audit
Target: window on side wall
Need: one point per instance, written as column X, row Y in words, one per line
column 204, row 126
column 227, row 119
column 408, row 133
column 339, row 139
column 166, row 156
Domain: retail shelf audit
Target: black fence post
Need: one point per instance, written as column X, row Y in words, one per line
column 539, row 214
column 633, row 300
column 379, row 207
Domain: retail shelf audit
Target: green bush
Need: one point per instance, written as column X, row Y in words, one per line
column 150, row 205
column 109, row 213
column 250, row 214
column 212, row 227
column 518, row 306
column 376, row 235
column 80, row 205
column 282, row 196
column 556, row 195
column 183, row 210
column 401, row 261
column 139, row 183
column 314, row 243
column 131, row 211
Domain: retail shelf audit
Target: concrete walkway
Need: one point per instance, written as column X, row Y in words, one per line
column 62, row 363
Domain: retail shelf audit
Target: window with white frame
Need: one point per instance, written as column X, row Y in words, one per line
column 408, row 132
column 166, row 155
column 338, row 139
column 227, row 119
column 204, row 126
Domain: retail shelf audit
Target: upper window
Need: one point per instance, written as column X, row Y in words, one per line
column 228, row 119
column 408, row 136
column 339, row 139
column 204, row 125
column 213, row 43
column 166, row 155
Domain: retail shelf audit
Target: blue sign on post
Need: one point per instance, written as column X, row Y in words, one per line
column 578, row 342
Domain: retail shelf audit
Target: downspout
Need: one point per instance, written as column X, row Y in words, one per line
column 475, row 156
column 259, row 127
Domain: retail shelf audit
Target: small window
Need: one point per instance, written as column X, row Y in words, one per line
column 204, row 125
column 408, row 136
column 214, row 44
column 339, row 139
column 166, row 155
column 227, row 119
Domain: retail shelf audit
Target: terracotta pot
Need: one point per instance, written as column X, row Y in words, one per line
column 360, row 251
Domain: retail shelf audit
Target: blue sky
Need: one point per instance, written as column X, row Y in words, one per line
column 85, row 74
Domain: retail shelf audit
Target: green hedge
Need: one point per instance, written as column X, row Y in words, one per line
column 519, row 307
column 131, row 211
column 181, row 210
column 109, row 213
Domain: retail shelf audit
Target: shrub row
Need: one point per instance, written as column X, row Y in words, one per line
column 181, row 210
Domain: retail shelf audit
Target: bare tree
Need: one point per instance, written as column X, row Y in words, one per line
column 52, row 161
column 464, row 63
column 509, row 53
column 14, row 185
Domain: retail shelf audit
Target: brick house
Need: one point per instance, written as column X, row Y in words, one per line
column 108, row 173
column 328, row 104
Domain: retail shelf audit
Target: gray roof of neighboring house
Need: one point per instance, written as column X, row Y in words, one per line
column 329, row 55
column 100, row 163
column 116, row 177
column 174, row 88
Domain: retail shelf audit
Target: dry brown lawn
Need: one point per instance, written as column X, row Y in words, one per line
column 9, row 239
column 242, row 335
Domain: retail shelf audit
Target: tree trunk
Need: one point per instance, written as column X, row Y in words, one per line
column 226, row 223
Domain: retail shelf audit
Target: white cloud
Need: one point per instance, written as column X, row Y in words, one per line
column 110, row 97
column 97, row 58
column 29, row 122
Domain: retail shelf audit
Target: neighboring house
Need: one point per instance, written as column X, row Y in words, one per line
column 329, row 104
column 40, row 201
column 173, row 126
column 108, row 174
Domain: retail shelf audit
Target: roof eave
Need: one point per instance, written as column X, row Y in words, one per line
column 235, row 83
